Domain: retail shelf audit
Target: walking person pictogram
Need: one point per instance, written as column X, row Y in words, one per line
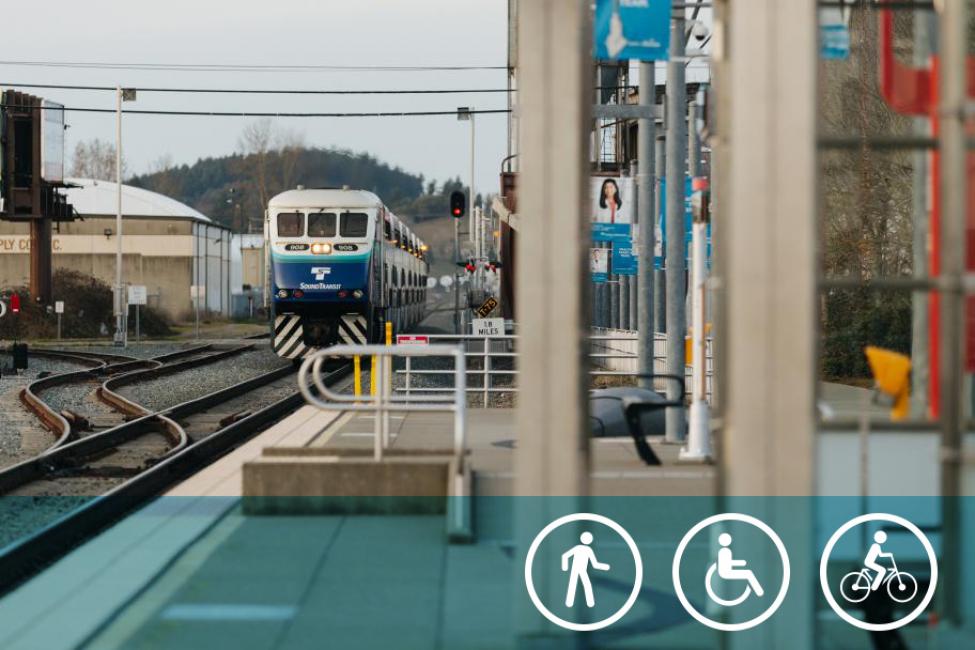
column 582, row 557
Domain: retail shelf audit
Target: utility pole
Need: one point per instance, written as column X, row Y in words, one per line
column 676, row 261
column 646, row 222
column 119, row 311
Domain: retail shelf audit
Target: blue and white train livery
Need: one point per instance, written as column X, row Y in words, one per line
column 341, row 266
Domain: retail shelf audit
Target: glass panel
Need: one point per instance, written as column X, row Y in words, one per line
column 321, row 224
column 290, row 224
column 354, row 224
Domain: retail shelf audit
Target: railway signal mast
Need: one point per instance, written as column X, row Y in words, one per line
column 31, row 174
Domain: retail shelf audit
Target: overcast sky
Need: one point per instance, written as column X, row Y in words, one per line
column 276, row 32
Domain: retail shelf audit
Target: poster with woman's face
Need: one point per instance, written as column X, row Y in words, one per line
column 612, row 199
column 599, row 264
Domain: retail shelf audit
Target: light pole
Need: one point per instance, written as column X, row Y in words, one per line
column 466, row 113
column 121, row 95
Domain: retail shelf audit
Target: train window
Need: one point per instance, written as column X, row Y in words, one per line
column 387, row 230
column 321, row 224
column 291, row 224
column 354, row 224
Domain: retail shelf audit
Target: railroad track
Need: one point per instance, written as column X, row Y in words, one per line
column 127, row 465
column 79, row 403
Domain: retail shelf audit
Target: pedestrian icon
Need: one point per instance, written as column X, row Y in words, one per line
column 581, row 557
column 728, row 568
column 548, row 553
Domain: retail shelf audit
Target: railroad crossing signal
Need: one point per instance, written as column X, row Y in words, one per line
column 458, row 204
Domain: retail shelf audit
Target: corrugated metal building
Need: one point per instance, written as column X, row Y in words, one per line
column 167, row 246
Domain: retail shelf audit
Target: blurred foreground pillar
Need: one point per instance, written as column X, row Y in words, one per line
column 765, row 72
column 554, row 104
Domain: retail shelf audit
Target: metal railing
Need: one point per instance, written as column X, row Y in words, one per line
column 613, row 353
column 385, row 401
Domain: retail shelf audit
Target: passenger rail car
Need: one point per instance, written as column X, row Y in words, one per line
column 341, row 266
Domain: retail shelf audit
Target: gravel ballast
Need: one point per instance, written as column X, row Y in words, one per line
column 169, row 390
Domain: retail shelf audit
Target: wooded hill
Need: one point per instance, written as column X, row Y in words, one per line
column 234, row 190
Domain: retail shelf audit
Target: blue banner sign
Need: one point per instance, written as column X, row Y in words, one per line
column 610, row 232
column 688, row 222
column 624, row 259
column 632, row 29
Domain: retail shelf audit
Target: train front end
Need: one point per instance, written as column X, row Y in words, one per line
column 322, row 251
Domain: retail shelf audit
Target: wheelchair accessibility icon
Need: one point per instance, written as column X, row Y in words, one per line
column 728, row 574
column 727, row 568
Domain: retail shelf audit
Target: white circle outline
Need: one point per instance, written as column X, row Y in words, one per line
column 779, row 546
column 824, row 562
column 637, row 581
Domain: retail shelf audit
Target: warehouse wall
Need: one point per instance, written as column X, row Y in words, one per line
column 158, row 253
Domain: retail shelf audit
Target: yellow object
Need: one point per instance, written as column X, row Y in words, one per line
column 372, row 376
column 891, row 372
column 357, row 366
column 389, row 333
column 688, row 346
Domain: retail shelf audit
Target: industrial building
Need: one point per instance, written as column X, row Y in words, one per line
column 167, row 246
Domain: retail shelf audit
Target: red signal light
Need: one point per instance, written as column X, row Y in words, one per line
column 15, row 303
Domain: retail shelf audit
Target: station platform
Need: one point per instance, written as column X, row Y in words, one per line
column 192, row 570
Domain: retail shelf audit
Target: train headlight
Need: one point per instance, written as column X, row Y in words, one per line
column 357, row 293
column 282, row 293
column 319, row 248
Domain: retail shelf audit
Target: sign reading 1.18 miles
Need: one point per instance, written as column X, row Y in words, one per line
column 487, row 326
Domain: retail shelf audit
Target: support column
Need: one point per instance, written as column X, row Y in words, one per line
column 551, row 457
column 41, row 281
column 646, row 220
column 767, row 92
column 953, row 45
column 676, row 253
column 659, row 276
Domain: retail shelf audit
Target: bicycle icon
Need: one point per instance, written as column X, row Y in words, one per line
column 857, row 585
column 876, row 577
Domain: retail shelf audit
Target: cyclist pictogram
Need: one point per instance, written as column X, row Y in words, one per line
column 880, row 576
column 857, row 585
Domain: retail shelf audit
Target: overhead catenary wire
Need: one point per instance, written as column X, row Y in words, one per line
column 78, row 109
column 283, row 91
column 238, row 67
column 266, row 91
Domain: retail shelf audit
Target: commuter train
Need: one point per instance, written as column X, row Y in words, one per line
column 341, row 265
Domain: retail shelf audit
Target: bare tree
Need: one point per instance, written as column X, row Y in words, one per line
column 95, row 159
column 164, row 178
column 255, row 143
column 289, row 145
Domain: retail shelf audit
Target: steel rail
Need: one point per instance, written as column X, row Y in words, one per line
column 57, row 423
column 28, row 555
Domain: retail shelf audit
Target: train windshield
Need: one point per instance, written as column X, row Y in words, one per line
column 321, row 224
column 354, row 224
column 291, row 224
